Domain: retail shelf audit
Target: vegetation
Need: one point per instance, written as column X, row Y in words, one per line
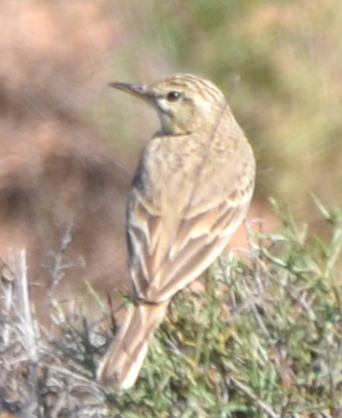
column 262, row 340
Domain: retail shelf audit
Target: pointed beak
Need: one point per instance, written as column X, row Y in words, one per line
column 136, row 89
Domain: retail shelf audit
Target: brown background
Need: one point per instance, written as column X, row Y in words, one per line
column 68, row 144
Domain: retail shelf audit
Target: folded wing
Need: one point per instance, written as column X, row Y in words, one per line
column 197, row 238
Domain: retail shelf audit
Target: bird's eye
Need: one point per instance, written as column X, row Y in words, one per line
column 173, row 96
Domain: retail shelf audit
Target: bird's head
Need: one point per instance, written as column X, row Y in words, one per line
column 184, row 102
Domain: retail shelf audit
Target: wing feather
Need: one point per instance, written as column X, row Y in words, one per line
column 200, row 237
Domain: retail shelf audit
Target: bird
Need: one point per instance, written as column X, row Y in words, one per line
column 191, row 190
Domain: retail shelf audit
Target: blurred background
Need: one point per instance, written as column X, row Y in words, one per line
column 69, row 144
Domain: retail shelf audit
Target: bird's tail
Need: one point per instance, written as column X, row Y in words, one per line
column 121, row 364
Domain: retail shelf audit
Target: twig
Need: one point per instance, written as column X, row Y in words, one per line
column 250, row 395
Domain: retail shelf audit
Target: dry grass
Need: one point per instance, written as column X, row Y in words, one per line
column 42, row 375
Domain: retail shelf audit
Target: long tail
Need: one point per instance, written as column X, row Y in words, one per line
column 121, row 364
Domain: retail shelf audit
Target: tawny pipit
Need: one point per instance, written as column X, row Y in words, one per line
column 190, row 192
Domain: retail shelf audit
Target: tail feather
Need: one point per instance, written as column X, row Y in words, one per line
column 121, row 365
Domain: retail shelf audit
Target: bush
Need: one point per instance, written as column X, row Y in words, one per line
column 262, row 340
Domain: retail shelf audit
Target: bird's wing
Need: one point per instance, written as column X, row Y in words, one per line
column 158, row 271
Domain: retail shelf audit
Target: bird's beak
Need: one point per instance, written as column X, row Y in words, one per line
column 139, row 90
